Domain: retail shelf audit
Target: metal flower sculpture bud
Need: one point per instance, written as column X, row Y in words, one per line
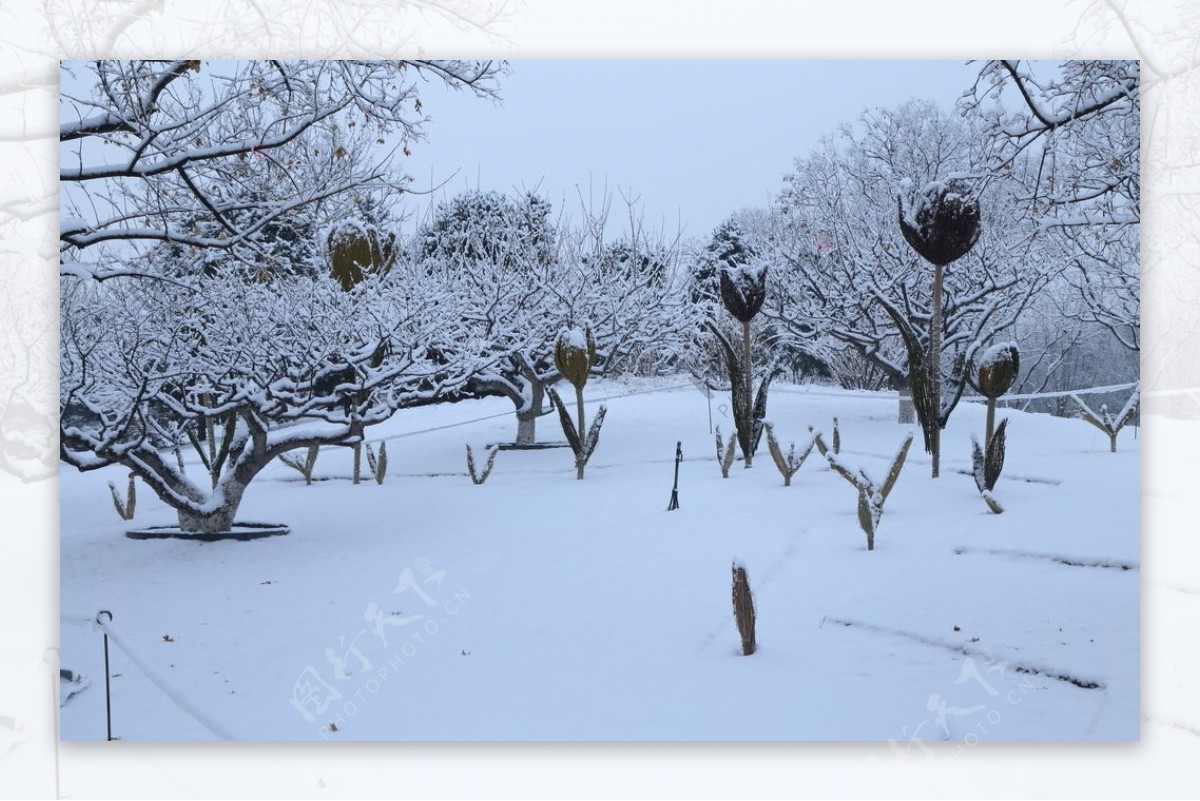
column 997, row 371
column 743, row 290
column 574, row 355
column 942, row 226
column 356, row 251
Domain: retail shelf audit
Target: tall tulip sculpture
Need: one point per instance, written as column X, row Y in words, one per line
column 941, row 226
column 743, row 290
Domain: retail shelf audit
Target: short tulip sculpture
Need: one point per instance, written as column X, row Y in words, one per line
column 743, row 290
column 942, row 226
column 574, row 356
column 997, row 372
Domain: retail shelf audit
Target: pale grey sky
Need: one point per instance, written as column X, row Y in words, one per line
column 696, row 140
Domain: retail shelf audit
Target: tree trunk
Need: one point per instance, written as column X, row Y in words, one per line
column 527, row 420
column 357, row 462
column 1112, row 442
column 907, row 413
column 220, row 520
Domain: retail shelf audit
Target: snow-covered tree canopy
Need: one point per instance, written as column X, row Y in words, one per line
column 520, row 278
column 1071, row 140
column 215, row 199
column 1078, row 129
column 844, row 259
column 295, row 362
column 513, row 233
column 168, row 151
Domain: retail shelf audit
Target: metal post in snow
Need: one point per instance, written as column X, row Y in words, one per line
column 674, row 504
column 107, row 689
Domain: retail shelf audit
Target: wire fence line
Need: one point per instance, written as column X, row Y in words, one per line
column 511, row 413
column 1066, row 393
column 822, row 392
column 213, row 726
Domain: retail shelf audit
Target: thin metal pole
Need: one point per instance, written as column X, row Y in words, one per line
column 107, row 689
column 674, row 504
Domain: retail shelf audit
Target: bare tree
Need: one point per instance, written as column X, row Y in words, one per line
column 148, row 149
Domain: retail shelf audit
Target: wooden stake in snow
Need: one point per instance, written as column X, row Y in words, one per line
column 743, row 608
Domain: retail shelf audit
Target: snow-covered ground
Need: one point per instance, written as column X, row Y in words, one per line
column 538, row 607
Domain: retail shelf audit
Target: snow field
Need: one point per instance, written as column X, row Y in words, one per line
column 582, row 610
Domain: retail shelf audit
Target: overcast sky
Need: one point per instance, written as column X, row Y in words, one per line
column 696, row 140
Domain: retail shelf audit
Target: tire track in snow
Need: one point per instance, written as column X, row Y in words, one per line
column 959, row 648
column 1072, row 561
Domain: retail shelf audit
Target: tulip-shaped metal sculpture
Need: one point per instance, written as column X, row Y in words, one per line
column 357, row 250
column 574, row 355
column 743, row 290
column 997, row 371
column 942, row 226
